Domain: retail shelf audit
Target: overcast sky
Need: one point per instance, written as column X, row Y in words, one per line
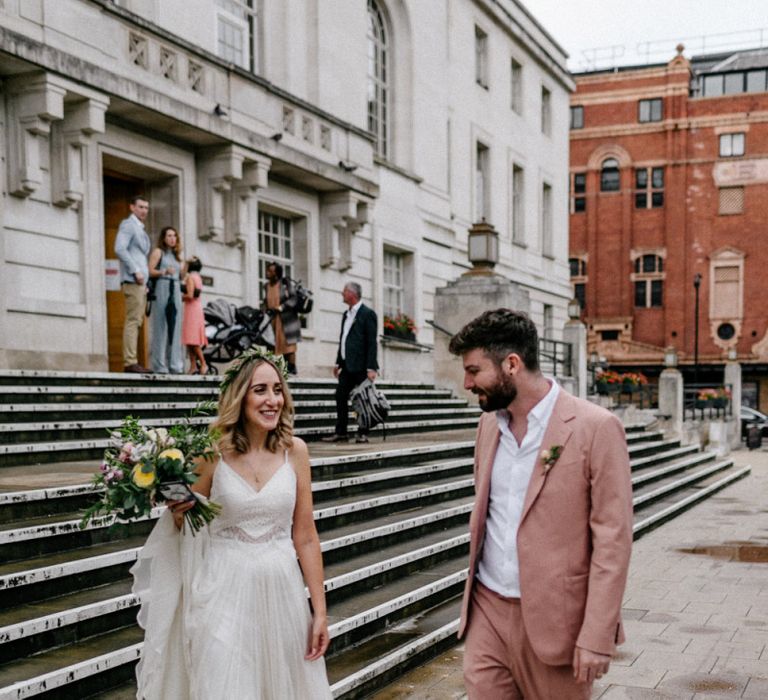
column 578, row 25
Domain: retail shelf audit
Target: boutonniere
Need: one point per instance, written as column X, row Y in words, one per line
column 550, row 456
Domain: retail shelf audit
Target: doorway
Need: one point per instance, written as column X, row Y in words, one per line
column 118, row 190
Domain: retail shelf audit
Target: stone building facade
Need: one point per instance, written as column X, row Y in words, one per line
column 669, row 180
column 349, row 141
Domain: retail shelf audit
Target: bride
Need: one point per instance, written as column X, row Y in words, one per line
column 225, row 611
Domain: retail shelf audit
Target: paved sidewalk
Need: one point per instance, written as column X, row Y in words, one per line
column 696, row 622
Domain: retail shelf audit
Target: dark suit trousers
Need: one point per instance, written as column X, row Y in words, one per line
column 347, row 382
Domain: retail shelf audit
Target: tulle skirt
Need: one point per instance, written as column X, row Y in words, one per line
column 223, row 620
column 249, row 626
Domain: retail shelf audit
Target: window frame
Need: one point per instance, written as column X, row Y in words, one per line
column 482, row 181
column 608, row 170
column 516, row 85
column 547, row 220
column 546, row 111
column 278, row 235
column 580, row 279
column 378, row 97
column 648, row 284
column 518, row 204
column 481, row 57
column 649, row 195
column 725, row 144
column 389, row 286
column 577, row 123
column 650, row 103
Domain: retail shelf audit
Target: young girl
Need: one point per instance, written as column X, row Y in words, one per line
column 193, row 330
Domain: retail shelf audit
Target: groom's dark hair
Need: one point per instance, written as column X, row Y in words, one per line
column 499, row 333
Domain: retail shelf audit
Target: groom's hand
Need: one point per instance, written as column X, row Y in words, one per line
column 589, row 665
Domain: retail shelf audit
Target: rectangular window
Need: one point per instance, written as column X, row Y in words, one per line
column 481, row 57
column 236, row 28
column 549, row 321
column 546, row 111
column 578, row 193
column 231, row 45
column 649, row 293
column 393, row 283
column 656, row 292
column 731, row 145
column 734, row 83
column 650, row 110
column 546, row 220
column 649, row 192
column 731, row 201
column 577, row 117
column 580, row 294
column 713, row 85
column 518, row 220
column 756, row 81
column 482, row 182
column 275, row 243
column 516, row 79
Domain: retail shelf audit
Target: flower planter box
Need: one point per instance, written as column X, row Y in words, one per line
column 400, row 335
column 703, row 403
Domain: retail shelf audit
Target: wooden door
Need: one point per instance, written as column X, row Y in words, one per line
column 118, row 191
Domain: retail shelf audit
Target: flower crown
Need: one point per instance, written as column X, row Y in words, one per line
column 253, row 353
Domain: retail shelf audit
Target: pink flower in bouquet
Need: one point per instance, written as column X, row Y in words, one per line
column 127, row 453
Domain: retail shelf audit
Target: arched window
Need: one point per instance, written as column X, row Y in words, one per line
column 609, row 175
column 378, row 78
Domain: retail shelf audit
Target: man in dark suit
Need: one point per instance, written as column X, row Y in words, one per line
column 355, row 359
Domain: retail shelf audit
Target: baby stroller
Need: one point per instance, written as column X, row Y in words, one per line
column 231, row 330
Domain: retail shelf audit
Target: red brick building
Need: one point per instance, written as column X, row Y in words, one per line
column 668, row 181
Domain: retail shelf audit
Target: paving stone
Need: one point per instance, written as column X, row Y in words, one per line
column 726, row 685
column 757, row 689
column 616, row 692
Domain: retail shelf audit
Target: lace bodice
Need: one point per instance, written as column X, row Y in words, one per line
column 253, row 516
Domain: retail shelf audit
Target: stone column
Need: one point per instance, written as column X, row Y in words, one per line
column 575, row 333
column 733, row 377
column 671, row 401
column 460, row 302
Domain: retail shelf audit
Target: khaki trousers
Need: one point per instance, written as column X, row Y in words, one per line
column 499, row 662
column 135, row 308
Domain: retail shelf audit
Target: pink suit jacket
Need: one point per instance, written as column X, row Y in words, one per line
column 575, row 533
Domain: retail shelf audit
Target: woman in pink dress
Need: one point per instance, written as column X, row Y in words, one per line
column 193, row 329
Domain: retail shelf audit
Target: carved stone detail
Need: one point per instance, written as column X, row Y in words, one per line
column 342, row 214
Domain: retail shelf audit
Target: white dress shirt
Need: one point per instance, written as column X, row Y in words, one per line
column 499, row 568
column 348, row 321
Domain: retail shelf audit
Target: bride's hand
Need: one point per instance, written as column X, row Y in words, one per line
column 320, row 639
column 178, row 508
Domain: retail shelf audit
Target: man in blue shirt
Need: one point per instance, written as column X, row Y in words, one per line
column 132, row 248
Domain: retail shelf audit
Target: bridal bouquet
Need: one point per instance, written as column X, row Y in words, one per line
column 147, row 466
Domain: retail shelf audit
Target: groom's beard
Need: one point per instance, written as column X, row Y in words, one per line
column 499, row 396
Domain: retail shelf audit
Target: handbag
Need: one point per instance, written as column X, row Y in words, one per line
column 371, row 406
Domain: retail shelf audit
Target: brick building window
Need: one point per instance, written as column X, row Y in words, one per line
column 578, row 269
column 481, row 57
column 577, row 117
column 546, row 111
column 731, row 201
column 578, row 192
column 649, row 280
column 516, row 84
column 649, row 190
column 734, row 83
column 650, row 110
column 609, row 175
column 731, row 145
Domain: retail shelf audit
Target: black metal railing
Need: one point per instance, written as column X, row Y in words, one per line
column 707, row 402
column 555, row 357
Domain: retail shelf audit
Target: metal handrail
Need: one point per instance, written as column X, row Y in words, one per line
column 717, row 408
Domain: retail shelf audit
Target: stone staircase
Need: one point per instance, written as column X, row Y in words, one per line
column 393, row 527
column 58, row 416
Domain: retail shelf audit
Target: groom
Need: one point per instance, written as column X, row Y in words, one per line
column 551, row 530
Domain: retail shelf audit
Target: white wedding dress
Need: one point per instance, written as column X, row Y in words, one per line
column 225, row 612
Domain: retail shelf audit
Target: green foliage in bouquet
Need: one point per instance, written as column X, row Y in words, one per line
column 141, row 461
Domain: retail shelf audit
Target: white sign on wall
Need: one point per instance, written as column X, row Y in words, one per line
column 112, row 275
column 741, row 172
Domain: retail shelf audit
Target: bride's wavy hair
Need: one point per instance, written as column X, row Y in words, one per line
column 230, row 423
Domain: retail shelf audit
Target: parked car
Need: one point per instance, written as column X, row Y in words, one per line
column 751, row 415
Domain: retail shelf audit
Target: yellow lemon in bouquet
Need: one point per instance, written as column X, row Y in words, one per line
column 172, row 453
column 141, row 478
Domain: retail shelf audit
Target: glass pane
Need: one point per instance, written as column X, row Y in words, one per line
column 580, row 183
column 725, row 145
column 657, row 178
column 573, row 264
column 713, row 85
column 641, row 200
column 609, row 180
column 656, row 292
column 737, row 144
column 657, row 199
column 579, row 204
column 640, row 294
column 756, row 81
column 580, row 294
column 644, row 113
column 641, row 179
column 656, row 110
column 659, row 264
column 649, row 263
column 734, row 83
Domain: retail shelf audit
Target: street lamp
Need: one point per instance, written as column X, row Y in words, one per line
column 696, row 285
